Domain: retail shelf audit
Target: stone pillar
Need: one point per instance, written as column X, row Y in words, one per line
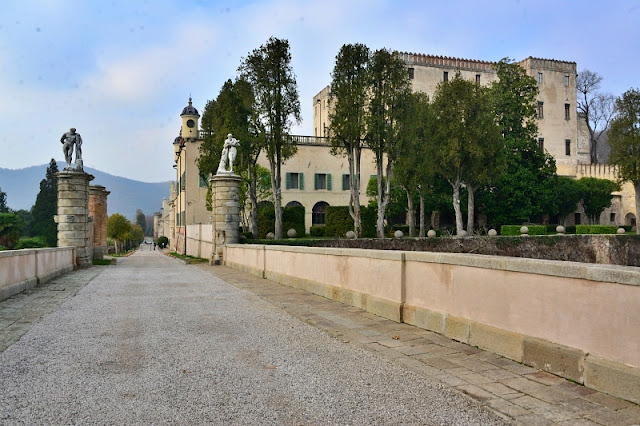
column 226, row 213
column 98, row 211
column 73, row 215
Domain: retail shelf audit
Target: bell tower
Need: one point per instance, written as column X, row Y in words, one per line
column 190, row 118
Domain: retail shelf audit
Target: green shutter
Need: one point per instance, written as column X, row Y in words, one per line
column 288, row 181
column 345, row 182
column 317, row 182
column 328, row 182
column 300, row 180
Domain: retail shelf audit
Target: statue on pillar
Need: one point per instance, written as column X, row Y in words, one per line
column 229, row 153
column 68, row 141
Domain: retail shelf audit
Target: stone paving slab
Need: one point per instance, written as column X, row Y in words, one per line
column 523, row 394
column 19, row 312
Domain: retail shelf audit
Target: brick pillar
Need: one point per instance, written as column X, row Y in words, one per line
column 98, row 211
column 73, row 215
column 226, row 213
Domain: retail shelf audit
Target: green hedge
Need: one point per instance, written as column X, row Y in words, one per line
column 292, row 217
column 162, row 241
column 31, row 242
column 515, row 229
column 338, row 221
column 596, row 229
column 317, row 231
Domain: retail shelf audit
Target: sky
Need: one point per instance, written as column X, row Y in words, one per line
column 122, row 71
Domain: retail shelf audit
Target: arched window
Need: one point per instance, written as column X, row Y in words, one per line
column 630, row 219
column 318, row 213
column 293, row 204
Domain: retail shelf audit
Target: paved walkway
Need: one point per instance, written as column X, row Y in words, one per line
column 154, row 341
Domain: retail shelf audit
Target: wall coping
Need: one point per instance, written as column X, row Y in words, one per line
column 627, row 275
column 26, row 252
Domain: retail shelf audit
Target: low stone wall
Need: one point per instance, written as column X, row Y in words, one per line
column 606, row 249
column 580, row 321
column 199, row 238
column 23, row 269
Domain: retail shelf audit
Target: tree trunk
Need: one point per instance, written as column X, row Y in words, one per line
column 354, row 186
column 276, row 200
column 636, row 186
column 422, row 230
column 456, row 206
column 470, row 209
column 411, row 214
column 253, row 198
column 379, row 197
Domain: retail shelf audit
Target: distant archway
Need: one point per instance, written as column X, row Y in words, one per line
column 293, row 204
column 630, row 219
column 318, row 213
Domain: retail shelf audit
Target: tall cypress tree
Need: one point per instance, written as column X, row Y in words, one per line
column 45, row 207
column 3, row 202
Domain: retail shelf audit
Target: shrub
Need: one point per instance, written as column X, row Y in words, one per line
column 515, row 229
column 31, row 242
column 163, row 241
column 292, row 217
column 337, row 221
column 596, row 229
column 317, row 231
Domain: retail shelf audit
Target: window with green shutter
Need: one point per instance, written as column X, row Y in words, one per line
column 328, row 182
column 300, row 180
column 345, row 183
column 287, row 181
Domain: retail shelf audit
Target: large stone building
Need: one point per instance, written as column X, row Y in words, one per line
column 314, row 178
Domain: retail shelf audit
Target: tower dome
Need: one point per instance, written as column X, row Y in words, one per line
column 189, row 109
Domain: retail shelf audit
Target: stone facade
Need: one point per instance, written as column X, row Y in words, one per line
column 98, row 212
column 73, row 215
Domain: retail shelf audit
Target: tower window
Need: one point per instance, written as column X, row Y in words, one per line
column 477, row 78
column 411, row 73
column 540, row 77
column 567, row 146
column 566, row 80
column 541, row 144
column 540, row 109
column 190, row 123
column 445, row 76
column 567, row 115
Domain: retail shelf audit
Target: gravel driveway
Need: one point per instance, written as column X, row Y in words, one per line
column 153, row 341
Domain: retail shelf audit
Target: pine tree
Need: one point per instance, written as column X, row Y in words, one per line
column 45, row 207
column 3, row 202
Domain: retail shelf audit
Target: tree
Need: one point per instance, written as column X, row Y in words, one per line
column 118, row 228
column 141, row 219
column 9, row 229
column 232, row 112
column 45, row 207
column 136, row 235
column 387, row 121
column 596, row 196
column 597, row 107
column 523, row 190
column 624, row 138
column 468, row 148
column 268, row 70
column 348, row 96
column 3, row 202
column 567, row 194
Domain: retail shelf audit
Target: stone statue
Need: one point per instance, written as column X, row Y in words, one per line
column 229, row 153
column 69, row 140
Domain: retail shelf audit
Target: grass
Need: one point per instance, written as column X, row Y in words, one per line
column 191, row 259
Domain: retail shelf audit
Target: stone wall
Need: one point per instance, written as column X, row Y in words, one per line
column 576, row 320
column 23, row 269
column 98, row 213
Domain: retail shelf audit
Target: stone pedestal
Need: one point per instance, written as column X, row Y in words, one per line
column 98, row 211
column 73, row 215
column 225, row 216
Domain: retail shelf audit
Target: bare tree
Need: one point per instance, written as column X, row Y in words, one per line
column 597, row 107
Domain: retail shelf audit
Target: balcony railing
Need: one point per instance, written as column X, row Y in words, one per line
column 298, row 139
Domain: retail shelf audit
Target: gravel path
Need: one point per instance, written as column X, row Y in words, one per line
column 153, row 341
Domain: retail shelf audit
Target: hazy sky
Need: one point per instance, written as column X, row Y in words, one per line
column 121, row 71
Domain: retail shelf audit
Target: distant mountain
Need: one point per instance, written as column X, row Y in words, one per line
column 127, row 195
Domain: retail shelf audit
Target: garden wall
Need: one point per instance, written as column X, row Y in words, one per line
column 580, row 321
column 23, row 269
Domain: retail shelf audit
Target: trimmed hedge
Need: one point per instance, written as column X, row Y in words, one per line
column 316, row 231
column 292, row 217
column 162, row 241
column 596, row 229
column 515, row 229
column 31, row 242
column 338, row 221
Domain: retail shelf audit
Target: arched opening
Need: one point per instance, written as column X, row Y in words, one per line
column 630, row 219
column 318, row 213
column 293, row 204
